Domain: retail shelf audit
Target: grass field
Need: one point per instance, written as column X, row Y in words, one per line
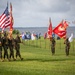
column 38, row 60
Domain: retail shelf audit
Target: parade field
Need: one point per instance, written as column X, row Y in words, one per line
column 31, row 45
column 38, row 60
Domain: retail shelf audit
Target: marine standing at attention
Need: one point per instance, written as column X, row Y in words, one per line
column 53, row 42
column 67, row 46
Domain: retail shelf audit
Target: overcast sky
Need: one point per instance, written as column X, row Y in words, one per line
column 36, row 13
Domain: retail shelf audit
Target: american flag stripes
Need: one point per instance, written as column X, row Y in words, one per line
column 5, row 19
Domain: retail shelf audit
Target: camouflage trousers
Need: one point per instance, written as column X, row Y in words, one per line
column 1, row 52
column 11, row 52
column 67, row 50
column 53, row 50
column 17, row 47
column 5, row 51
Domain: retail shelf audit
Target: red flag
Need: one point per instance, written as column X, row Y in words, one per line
column 50, row 29
column 11, row 19
column 60, row 30
column 65, row 24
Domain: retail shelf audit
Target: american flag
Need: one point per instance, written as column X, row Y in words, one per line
column 5, row 19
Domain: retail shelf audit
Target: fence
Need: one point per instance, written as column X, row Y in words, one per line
column 46, row 44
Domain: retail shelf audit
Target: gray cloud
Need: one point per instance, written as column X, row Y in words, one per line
column 29, row 13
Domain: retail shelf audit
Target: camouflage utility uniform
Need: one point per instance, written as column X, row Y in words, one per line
column 53, row 46
column 67, row 47
column 17, row 46
column 5, row 45
column 1, row 41
column 11, row 46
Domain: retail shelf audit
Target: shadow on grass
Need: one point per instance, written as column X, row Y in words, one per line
column 43, row 60
column 49, row 60
column 46, row 60
column 53, row 58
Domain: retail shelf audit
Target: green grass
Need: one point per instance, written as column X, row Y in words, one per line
column 38, row 60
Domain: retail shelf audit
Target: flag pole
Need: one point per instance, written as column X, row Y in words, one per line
column 11, row 20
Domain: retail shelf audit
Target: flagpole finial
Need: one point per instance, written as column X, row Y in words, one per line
column 7, row 3
column 49, row 19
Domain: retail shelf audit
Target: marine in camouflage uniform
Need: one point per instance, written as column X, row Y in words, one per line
column 53, row 42
column 67, row 46
column 1, row 42
column 11, row 47
column 17, row 46
column 5, row 45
